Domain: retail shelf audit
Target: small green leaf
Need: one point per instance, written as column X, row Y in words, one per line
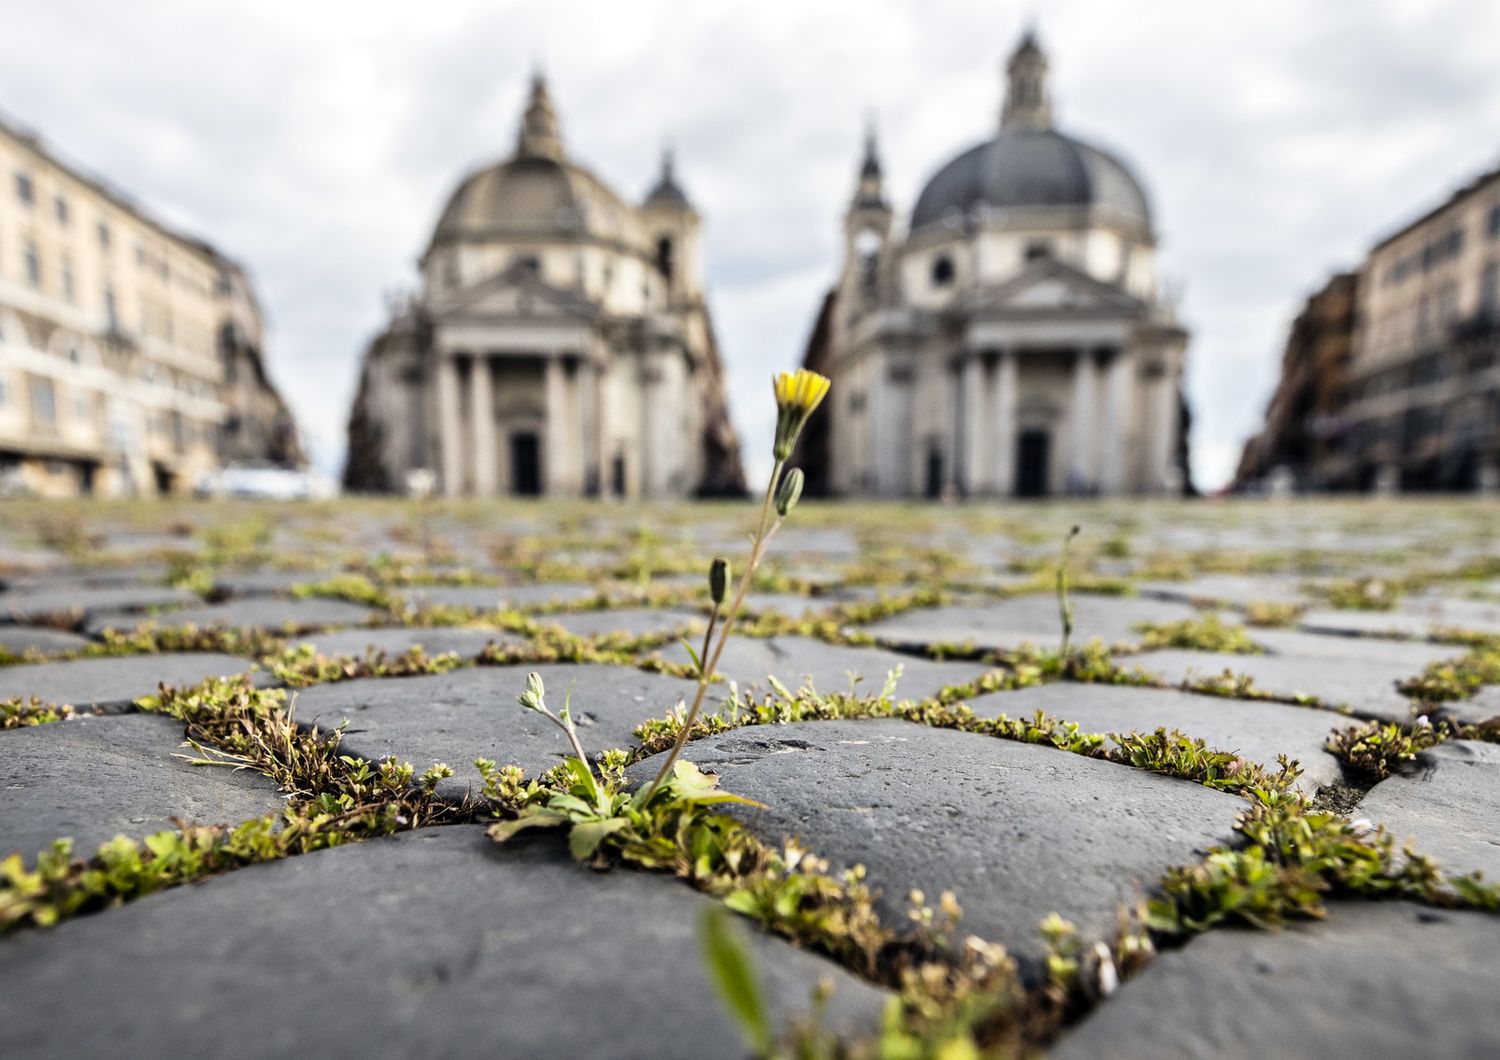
column 697, row 662
column 534, row 817
column 585, row 838
column 727, row 955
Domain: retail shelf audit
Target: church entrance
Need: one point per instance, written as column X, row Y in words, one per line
column 1032, row 452
column 525, row 465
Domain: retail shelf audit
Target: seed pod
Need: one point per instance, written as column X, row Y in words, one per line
column 718, row 579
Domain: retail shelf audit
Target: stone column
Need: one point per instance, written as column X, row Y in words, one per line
column 1111, row 443
column 556, row 430
column 1163, row 432
column 450, row 441
column 974, row 448
column 1003, row 422
column 1081, row 469
column 482, row 427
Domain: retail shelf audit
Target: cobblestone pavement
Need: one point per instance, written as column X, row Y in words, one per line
column 245, row 878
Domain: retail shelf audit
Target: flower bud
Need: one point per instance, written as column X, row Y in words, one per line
column 532, row 698
column 790, row 491
column 718, row 579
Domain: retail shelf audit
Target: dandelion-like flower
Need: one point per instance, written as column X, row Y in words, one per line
column 798, row 394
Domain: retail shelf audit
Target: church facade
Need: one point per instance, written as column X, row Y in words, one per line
column 560, row 343
column 1011, row 339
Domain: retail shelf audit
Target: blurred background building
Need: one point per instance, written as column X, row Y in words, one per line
column 130, row 355
column 561, row 343
column 1391, row 378
column 1011, row 339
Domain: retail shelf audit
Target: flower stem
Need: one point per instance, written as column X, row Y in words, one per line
column 710, row 665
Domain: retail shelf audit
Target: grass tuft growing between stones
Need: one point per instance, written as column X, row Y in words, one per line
column 1292, row 860
column 1371, row 751
column 18, row 712
column 334, row 798
column 1206, row 632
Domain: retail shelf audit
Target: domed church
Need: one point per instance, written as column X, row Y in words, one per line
column 560, row 343
column 1014, row 340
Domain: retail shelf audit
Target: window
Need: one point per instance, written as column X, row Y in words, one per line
column 60, row 207
column 1492, row 226
column 83, row 409
column 67, row 280
column 942, row 271
column 103, row 236
column 24, row 189
column 1489, row 289
column 43, row 403
column 33, row 264
column 4, row 393
column 1039, row 249
column 111, row 309
column 531, row 263
column 664, row 258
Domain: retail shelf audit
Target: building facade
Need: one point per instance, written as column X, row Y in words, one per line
column 1011, row 340
column 1304, row 425
column 1416, row 404
column 560, row 343
column 129, row 353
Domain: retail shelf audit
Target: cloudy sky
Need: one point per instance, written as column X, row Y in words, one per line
column 317, row 142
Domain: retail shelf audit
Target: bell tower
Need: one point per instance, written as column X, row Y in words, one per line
column 867, row 233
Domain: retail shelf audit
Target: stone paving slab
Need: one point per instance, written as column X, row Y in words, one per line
column 491, row 597
column 48, row 641
column 791, row 660
column 1373, row 980
column 1016, row 830
column 635, row 621
column 1366, row 686
column 1415, row 617
column 1482, row 706
column 1448, row 804
column 1414, row 655
column 93, row 778
column 430, row 943
column 266, row 582
column 1229, row 590
column 396, row 640
column 468, row 714
column 1256, row 731
column 41, row 603
column 257, row 612
column 114, row 683
column 1026, row 619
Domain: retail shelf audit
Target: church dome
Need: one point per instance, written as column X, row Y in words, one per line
column 1030, row 164
column 537, row 193
column 1028, row 167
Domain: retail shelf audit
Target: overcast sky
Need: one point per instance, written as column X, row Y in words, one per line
column 317, row 141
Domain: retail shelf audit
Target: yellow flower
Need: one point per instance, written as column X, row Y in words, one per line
column 798, row 394
column 802, row 389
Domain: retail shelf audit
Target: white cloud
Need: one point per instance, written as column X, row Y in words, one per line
column 316, row 142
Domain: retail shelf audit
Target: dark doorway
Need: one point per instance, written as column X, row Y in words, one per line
column 934, row 484
column 617, row 475
column 1031, row 463
column 525, row 465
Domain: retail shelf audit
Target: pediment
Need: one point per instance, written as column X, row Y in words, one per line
column 515, row 294
column 1050, row 286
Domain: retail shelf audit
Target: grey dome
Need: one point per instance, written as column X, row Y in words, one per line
column 1026, row 167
